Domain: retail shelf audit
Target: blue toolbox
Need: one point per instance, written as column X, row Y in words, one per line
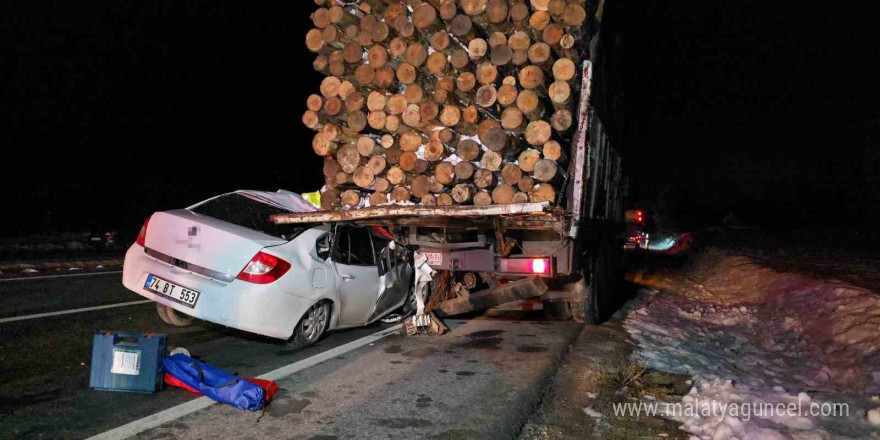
column 128, row 362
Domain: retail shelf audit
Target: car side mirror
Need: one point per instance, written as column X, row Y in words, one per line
column 322, row 246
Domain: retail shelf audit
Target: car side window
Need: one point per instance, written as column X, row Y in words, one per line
column 379, row 243
column 341, row 247
column 322, row 246
column 361, row 250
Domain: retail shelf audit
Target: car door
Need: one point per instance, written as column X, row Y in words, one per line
column 357, row 277
column 395, row 276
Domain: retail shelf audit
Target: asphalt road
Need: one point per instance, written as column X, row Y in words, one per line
column 44, row 389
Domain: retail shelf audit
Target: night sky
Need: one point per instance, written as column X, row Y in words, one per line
column 112, row 110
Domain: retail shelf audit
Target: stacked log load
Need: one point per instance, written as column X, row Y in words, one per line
column 444, row 102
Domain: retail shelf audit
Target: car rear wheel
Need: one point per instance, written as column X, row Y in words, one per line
column 312, row 325
column 173, row 317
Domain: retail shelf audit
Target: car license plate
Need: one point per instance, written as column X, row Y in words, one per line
column 178, row 294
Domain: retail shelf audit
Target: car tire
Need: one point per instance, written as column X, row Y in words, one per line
column 173, row 317
column 312, row 326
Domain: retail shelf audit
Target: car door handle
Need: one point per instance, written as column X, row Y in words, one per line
column 346, row 276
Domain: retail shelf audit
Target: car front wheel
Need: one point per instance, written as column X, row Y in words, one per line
column 312, row 325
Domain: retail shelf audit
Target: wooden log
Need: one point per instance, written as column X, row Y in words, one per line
column 520, row 57
column 513, row 120
column 444, row 199
column 462, row 28
column 496, row 39
column 538, row 21
column 487, row 73
column 530, row 105
column 408, row 162
column 560, row 94
column 526, row 184
column 377, row 164
column 426, row 19
column 466, row 81
column 561, row 120
column 354, row 102
column 497, row 11
column 528, row 159
column 365, row 74
column 541, row 56
column 501, row 55
column 363, row 177
column 392, row 123
column 521, row 197
column 400, row 194
column 421, row 166
column 410, row 141
column 542, row 192
column 392, row 155
column 397, row 104
column 435, row 151
column 320, row 64
column 538, row 132
column 531, row 77
column 428, row 110
column 468, row 150
column 321, row 18
column 353, row 52
column 412, row 116
column 574, row 15
column 552, row 150
column 450, row 116
column 419, row 187
column 484, row 178
column 502, row 194
column 377, row 120
column 349, row 158
column 315, row 42
column 331, row 167
column 444, row 172
column 564, row 70
column 396, row 176
column 367, row 146
column 487, row 96
column 406, row 73
column 495, row 139
column 330, row 86
column 437, row 64
column 429, row 200
column 378, row 198
column 397, row 47
column 459, row 59
column 552, row 34
column 356, row 121
column 416, row 54
column 350, row 198
column 340, row 17
column 507, row 94
column 377, row 56
column 382, row 185
column 546, row 170
column 464, row 171
column 482, row 198
column 511, row 174
column 463, row 193
column 519, row 13
column 329, row 199
column 384, row 77
column 323, row 145
column 477, row 49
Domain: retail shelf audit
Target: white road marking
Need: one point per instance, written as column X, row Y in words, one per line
column 174, row 413
column 68, row 312
column 59, row 276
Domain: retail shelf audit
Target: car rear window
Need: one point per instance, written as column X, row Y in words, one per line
column 249, row 213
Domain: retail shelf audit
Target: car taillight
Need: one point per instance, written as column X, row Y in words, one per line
column 142, row 235
column 525, row 266
column 263, row 269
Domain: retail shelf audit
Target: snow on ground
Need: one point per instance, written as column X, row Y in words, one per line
column 750, row 335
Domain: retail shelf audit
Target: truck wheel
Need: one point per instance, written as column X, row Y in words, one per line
column 173, row 317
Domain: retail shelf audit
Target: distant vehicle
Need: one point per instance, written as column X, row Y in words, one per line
column 636, row 237
column 223, row 261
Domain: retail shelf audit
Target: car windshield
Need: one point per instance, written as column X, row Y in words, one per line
column 246, row 212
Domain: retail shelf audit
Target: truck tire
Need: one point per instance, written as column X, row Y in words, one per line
column 173, row 317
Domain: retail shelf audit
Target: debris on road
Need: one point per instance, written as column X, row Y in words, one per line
column 243, row 393
column 127, row 361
